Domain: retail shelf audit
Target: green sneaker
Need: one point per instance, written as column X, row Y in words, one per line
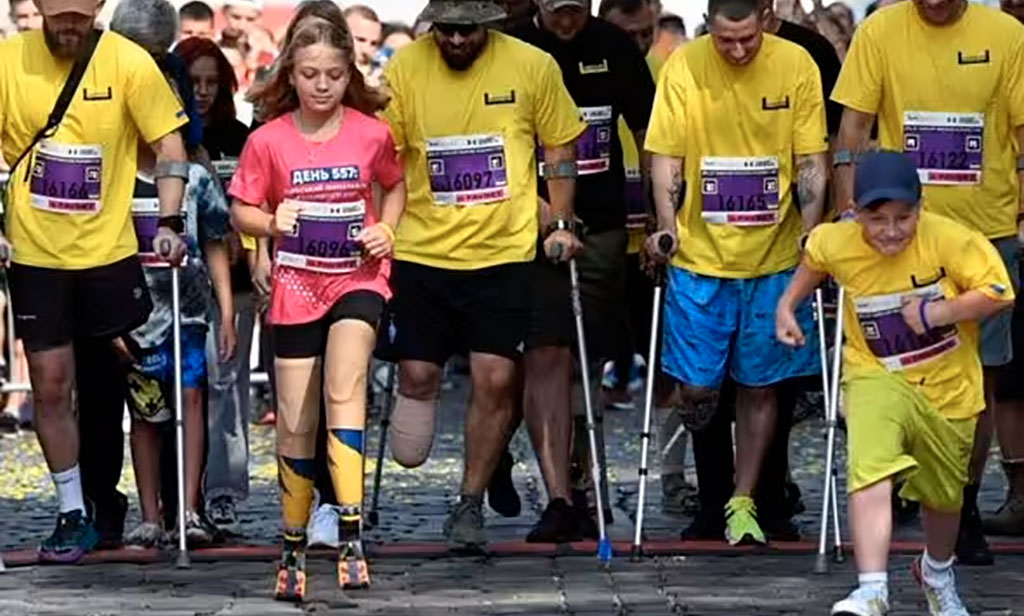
column 741, row 525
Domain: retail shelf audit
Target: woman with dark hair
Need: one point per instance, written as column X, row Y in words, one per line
column 306, row 178
column 214, row 85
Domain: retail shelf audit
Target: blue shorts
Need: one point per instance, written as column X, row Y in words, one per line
column 997, row 330
column 151, row 380
column 714, row 324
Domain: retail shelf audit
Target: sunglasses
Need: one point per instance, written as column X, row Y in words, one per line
column 453, row 29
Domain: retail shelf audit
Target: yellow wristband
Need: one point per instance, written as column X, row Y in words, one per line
column 387, row 229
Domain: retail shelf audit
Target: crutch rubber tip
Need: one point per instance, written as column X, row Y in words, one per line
column 183, row 561
column 838, row 555
column 636, row 554
column 604, row 550
column 821, row 564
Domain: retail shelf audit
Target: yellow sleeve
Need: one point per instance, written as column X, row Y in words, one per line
column 815, row 256
column 153, row 105
column 557, row 120
column 666, row 133
column 859, row 86
column 810, row 134
column 1014, row 72
column 392, row 114
column 976, row 265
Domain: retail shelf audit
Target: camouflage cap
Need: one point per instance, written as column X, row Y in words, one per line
column 462, row 12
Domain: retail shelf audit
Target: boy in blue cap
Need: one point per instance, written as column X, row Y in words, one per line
column 916, row 284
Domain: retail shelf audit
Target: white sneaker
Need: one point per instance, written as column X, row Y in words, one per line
column 863, row 602
column 323, row 528
column 943, row 599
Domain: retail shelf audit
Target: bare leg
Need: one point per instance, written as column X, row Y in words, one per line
column 52, row 372
column 756, row 413
column 1009, row 422
column 940, row 530
column 195, row 446
column 548, row 411
column 145, row 439
column 871, row 526
column 490, row 411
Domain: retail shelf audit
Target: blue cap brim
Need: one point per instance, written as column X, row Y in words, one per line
column 890, row 193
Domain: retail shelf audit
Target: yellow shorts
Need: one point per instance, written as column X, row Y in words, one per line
column 893, row 431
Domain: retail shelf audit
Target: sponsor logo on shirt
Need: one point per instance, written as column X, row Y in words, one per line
column 977, row 58
column 774, row 105
column 591, row 69
column 500, row 98
column 102, row 95
column 348, row 173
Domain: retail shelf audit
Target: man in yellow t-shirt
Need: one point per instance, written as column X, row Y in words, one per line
column 739, row 119
column 916, row 284
column 946, row 85
column 468, row 107
column 75, row 274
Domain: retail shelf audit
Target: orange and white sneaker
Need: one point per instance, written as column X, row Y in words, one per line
column 353, row 572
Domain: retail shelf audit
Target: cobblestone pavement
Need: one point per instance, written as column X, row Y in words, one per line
column 770, row 584
column 414, row 503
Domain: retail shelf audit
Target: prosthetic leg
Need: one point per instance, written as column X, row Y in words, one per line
column 349, row 346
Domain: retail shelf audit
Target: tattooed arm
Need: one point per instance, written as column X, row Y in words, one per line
column 667, row 180
column 811, row 176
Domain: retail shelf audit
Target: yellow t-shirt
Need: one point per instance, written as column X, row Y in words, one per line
column 944, row 260
column 738, row 129
column 467, row 141
column 952, row 97
column 74, row 212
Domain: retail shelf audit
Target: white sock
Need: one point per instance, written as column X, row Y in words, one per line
column 936, row 572
column 877, row 582
column 69, row 489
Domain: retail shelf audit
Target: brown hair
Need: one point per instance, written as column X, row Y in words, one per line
column 277, row 96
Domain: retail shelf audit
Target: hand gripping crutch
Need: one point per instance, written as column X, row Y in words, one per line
column 183, row 561
column 665, row 244
column 373, row 517
column 830, row 390
column 604, row 544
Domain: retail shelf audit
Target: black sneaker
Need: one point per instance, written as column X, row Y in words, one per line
column 705, row 527
column 779, row 529
column 501, row 492
column 109, row 521
column 560, row 523
column 71, row 540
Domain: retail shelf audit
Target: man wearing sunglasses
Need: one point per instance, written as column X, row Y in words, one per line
column 468, row 107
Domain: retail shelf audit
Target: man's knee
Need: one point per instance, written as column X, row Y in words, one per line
column 493, row 377
column 698, row 406
column 419, row 380
column 548, row 362
column 52, row 373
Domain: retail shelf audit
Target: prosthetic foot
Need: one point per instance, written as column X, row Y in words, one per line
column 353, row 571
column 291, row 574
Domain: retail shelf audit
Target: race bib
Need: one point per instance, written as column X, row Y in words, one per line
column 891, row 339
column 740, row 191
column 324, row 238
column 947, row 147
column 145, row 216
column 66, row 179
column 594, row 147
column 636, row 203
column 467, row 170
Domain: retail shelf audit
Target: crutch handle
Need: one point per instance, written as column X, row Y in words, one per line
column 665, row 244
column 556, row 253
column 164, row 247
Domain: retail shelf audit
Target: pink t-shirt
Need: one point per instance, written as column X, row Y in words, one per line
column 279, row 164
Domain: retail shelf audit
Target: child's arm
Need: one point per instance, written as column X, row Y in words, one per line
column 220, row 274
column 787, row 328
column 971, row 306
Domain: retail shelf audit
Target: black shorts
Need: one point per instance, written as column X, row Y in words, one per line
column 310, row 339
column 551, row 319
column 437, row 313
column 52, row 307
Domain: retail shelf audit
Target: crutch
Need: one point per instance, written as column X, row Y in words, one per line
column 183, row 561
column 604, row 545
column 645, row 436
column 373, row 517
column 830, row 389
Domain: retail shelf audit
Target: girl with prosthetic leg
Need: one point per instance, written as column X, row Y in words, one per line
column 306, row 179
column 916, row 284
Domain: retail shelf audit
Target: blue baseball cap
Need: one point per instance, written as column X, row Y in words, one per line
column 886, row 176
